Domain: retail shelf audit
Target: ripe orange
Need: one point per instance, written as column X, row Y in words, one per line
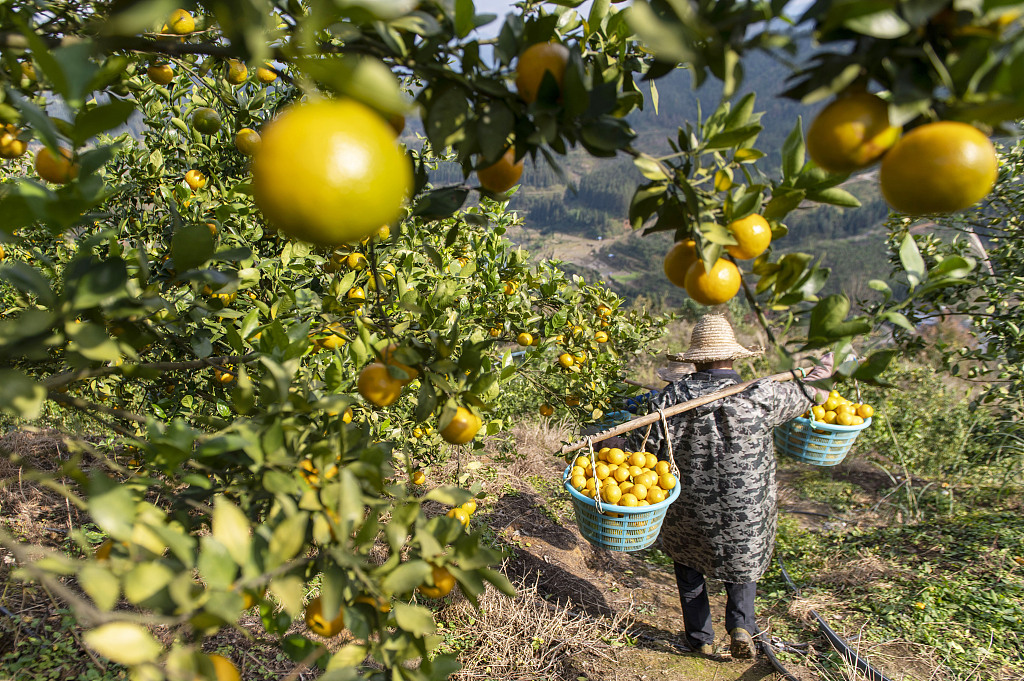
column 319, row 624
column 181, row 22
column 510, row 288
column 546, row 410
column 10, row 145
column 470, row 506
column 444, row 582
column 238, row 72
column 678, row 261
column 938, row 168
column 459, row 514
column 195, row 179
column 501, row 176
column 566, row 360
column 851, row 133
column 601, row 337
column 356, row 261
column 666, row 481
column 247, row 141
column 418, row 477
column 534, row 62
column 572, row 401
column 266, row 74
column 58, row 170
column 525, row 339
column 330, row 172
column 378, row 386
column 206, row 120
column 753, row 235
column 104, row 549
column 865, row 411
column 462, row 428
column 714, row 287
column 161, row 74
column 223, row 668
column 611, row 494
column 356, row 294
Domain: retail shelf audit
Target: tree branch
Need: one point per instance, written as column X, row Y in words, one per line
column 72, row 376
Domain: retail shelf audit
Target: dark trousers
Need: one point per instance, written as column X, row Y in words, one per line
column 693, row 595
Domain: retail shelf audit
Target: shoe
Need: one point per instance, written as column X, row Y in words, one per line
column 705, row 649
column 742, row 646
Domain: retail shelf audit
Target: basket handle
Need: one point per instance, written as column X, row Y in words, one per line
column 668, row 444
column 593, row 468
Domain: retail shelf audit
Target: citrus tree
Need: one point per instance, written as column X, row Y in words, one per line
column 263, row 296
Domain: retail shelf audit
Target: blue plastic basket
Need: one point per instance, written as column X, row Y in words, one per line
column 629, row 529
column 816, row 442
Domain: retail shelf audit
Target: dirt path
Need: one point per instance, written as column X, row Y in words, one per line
column 569, row 570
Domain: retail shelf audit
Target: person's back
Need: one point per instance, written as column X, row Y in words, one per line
column 724, row 521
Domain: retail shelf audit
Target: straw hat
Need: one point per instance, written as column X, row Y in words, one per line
column 713, row 340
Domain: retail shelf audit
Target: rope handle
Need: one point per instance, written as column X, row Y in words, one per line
column 668, row 444
column 597, row 483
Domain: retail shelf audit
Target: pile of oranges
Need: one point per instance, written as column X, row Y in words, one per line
column 840, row 411
column 623, row 478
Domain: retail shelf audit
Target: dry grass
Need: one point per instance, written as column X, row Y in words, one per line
column 525, row 638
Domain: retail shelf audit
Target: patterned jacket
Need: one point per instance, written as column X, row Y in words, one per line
column 724, row 521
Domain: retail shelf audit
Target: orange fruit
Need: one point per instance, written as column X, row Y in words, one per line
column 525, row 339
column 238, row 72
column 357, row 294
column 58, row 170
column 502, row 175
column 444, row 582
column 459, row 514
column 462, row 428
column 534, row 62
column 638, row 459
column 851, row 133
column 662, row 467
column 666, row 481
column 223, row 668
column 195, row 179
column 266, row 74
column 161, row 74
column 572, row 401
column 678, row 261
column 566, row 360
column 546, row 410
column 938, row 168
column 319, row 624
column 181, row 22
column 752, row 234
column 652, row 461
column 330, row 172
column 470, row 506
column 104, row 549
column 418, row 477
column 378, row 386
column 656, row 495
column 247, row 141
column 865, row 411
column 601, row 337
column 578, row 482
column 628, row 499
column 10, row 145
column 714, row 287
column 611, row 494
column 616, row 456
column 639, row 491
column 206, row 120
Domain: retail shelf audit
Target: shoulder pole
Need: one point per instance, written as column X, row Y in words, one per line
column 647, row 419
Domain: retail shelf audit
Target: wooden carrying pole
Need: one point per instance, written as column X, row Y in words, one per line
column 641, row 421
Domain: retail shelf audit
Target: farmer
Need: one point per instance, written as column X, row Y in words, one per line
column 723, row 523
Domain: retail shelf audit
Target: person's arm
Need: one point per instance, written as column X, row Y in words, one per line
column 796, row 397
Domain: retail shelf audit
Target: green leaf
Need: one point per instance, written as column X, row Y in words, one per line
column 101, row 284
column 913, row 263
column 415, row 619
column 216, row 566
column 440, row 203
column 112, row 507
column 649, row 167
column 899, row 319
column 92, row 342
column 793, row 152
column 661, row 36
column 464, row 17
column 953, row 267
column 289, row 590
column 365, row 79
column 350, row 655
column 28, row 280
column 406, row 577
column 92, row 122
column 191, row 246
column 124, row 643
column 287, row 540
column 448, row 495
column 828, row 313
column 231, row 528
column 834, row 196
column 885, row 24
column 733, row 138
column 446, row 117
column 100, row 585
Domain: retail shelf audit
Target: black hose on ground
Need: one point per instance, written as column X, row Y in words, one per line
column 837, row 641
